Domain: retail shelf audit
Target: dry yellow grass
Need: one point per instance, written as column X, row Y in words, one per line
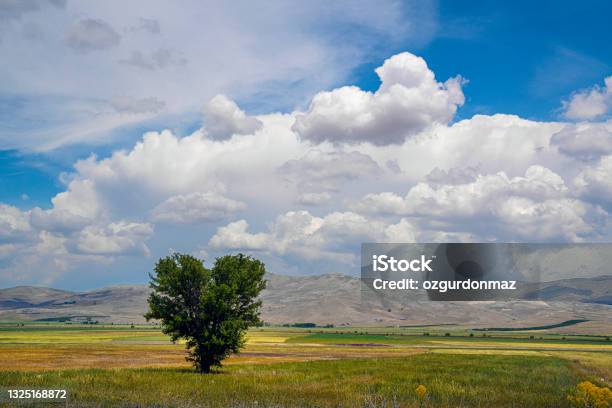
column 528, row 344
column 33, row 357
column 64, row 356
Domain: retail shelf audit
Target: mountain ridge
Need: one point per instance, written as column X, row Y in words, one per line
column 329, row 299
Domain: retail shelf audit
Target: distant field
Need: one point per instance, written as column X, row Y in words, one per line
column 536, row 328
column 102, row 366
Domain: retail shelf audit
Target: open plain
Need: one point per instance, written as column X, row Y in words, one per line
column 126, row 365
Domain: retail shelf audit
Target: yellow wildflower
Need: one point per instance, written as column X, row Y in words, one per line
column 421, row 390
column 588, row 395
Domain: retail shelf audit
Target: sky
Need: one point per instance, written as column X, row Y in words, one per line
column 295, row 131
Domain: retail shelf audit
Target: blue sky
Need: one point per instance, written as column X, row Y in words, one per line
column 521, row 57
column 82, row 82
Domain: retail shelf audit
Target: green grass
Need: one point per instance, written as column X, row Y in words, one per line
column 451, row 380
column 547, row 327
column 358, row 338
column 453, row 330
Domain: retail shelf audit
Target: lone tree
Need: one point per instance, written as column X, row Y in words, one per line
column 210, row 308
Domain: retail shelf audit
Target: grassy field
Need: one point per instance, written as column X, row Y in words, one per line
column 362, row 367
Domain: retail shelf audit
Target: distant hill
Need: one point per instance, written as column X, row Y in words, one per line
column 586, row 290
column 333, row 299
column 28, row 296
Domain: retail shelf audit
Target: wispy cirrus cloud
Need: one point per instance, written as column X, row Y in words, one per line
column 92, row 54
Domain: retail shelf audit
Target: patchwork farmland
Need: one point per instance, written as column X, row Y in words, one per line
column 109, row 365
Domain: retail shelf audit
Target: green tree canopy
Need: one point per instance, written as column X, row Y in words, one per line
column 210, row 308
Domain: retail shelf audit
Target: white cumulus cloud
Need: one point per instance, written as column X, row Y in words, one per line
column 195, row 207
column 320, row 170
column 302, row 234
column 535, row 205
column 223, row 118
column 117, row 238
column 591, row 103
column 585, row 141
column 408, row 100
column 313, row 198
column 14, row 224
column 594, row 182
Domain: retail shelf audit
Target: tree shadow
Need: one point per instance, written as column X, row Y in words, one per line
column 185, row 370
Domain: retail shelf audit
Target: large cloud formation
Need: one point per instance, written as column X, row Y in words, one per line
column 533, row 206
column 310, row 237
column 408, row 100
column 388, row 166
